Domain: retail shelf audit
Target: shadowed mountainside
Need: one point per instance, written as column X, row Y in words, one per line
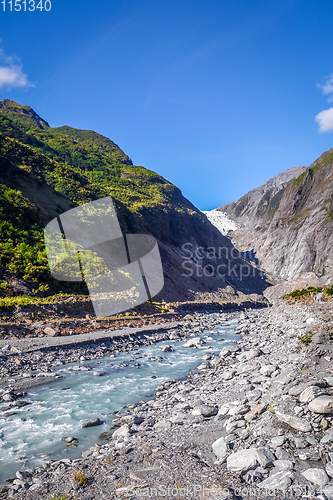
column 45, row 171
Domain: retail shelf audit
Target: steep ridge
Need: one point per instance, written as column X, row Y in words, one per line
column 247, row 209
column 290, row 226
column 45, row 171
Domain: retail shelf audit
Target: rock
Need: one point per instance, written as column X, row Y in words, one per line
column 243, row 460
column 329, row 381
column 51, row 332
column 68, row 439
column 329, row 469
column 278, row 441
column 131, row 420
column 283, row 464
column 310, row 393
column 267, row 370
column 324, row 424
column 194, row 342
column 167, row 348
column 24, row 475
column 311, row 440
column 162, row 425
column 97, row 373
column 258, row 410
column 220, row 447
column 122, row 432
column 281, row 454
column 316, row 476
column 327, row 439
column 323, row 404
column 251, row 354
column 254, row 395
column 228, row 349
column 300, row 442
column 294, row 422
column 205, row 411
column 265, row 457
column 328, row 491
column 278, row 480
column 91, row 422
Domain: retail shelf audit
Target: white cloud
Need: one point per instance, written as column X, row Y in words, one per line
column 11, row 73
column 325, row 120
column 327, row 88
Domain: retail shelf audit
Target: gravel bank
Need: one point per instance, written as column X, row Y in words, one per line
column 255, row 422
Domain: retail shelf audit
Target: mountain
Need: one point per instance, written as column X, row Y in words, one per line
column 45, row 171
column 288, row 221
column 248, row 208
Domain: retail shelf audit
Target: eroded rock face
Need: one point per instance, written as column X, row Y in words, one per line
column 293, row 218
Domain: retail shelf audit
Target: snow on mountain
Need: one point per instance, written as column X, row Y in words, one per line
column 221, row 221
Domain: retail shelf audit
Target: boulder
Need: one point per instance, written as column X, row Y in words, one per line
column 279, row 480
column 123, row 432
column 310, row 393
column 205, row 410
column 220, row 447
column 51, row 332
column 323, row 404
column 243, row 460
column 265, row 457
column 316, row 476
column 297, row 423
column 91, row 422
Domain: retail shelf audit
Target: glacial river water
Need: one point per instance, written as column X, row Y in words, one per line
column 58, row 409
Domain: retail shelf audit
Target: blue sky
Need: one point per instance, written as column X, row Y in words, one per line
column 216, row 96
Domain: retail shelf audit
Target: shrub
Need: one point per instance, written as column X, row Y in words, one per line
column 306, row 339
column 80, row 477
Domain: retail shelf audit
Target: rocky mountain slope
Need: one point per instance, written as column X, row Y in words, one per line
column 289, row 224
column 245, row 209
column 45, row 171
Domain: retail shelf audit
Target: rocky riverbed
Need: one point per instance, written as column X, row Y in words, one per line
column 255, row 421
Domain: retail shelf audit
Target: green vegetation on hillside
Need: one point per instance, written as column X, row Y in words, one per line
column 21, row 245
column 45, row 171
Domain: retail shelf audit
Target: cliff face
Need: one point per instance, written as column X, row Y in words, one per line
column 45, row 171
column 290, row 227
column 247, row 209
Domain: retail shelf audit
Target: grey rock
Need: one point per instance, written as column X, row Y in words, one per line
column 243, row 460
column 205, row 411
column 265, row 457
column 300, row 442
column 278, row 441
column 284, row 464
column 162, row 425
column 323, row 404
column 316, row 476
column 281, row 454
column 278, row 480
column 310, row 393
column 294, row 422
column 122, row 432
column 220, row 447
column 329, row 381
column 329, row 469
column 92, row 422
